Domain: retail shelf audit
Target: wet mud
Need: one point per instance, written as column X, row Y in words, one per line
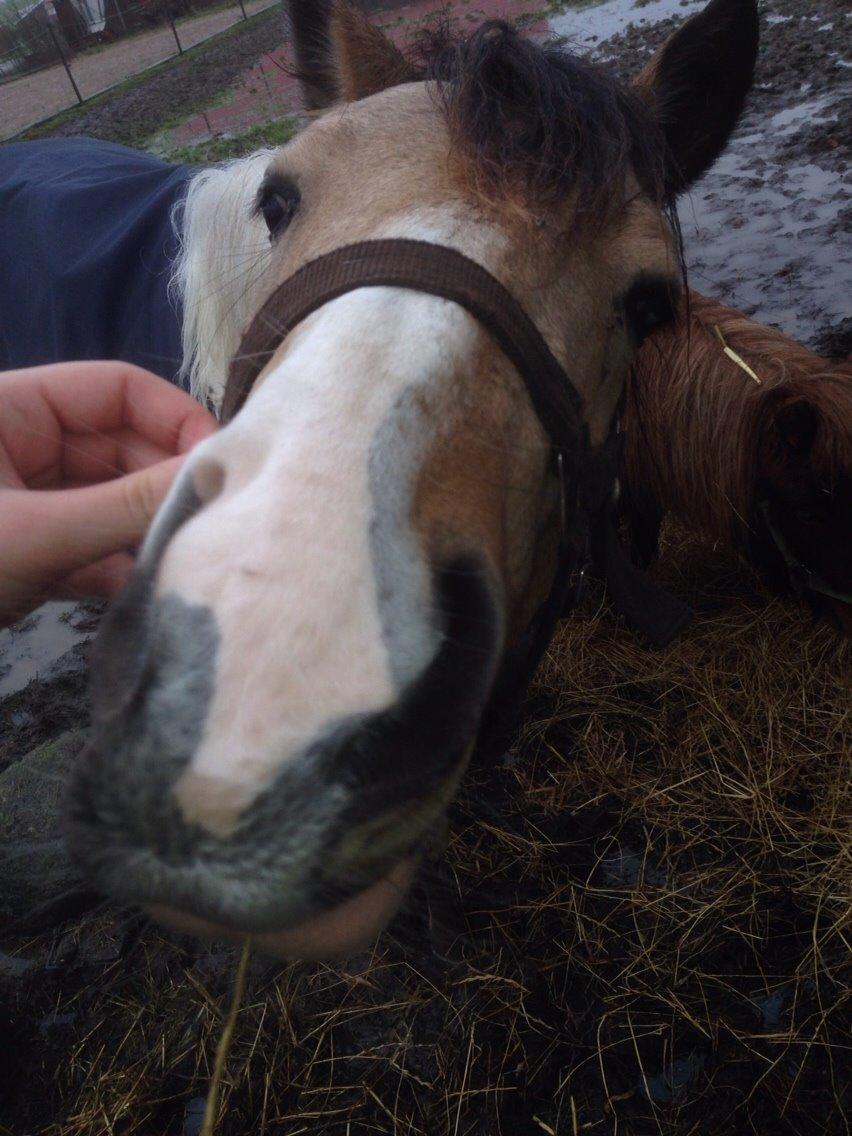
column 769, row 229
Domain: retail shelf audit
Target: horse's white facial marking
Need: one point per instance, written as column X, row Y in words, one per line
column 321, row 594
column 456, row 224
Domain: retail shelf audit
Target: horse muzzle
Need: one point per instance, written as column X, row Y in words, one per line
column 315, row 863
column 335, row 933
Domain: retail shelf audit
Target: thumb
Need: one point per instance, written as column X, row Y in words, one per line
column 70, row 528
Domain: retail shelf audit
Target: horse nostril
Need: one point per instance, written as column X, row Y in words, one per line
column 208, row 477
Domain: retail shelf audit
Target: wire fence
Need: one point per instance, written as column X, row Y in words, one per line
column 82, row 36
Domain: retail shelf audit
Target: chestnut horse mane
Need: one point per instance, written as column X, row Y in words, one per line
column 700, row 422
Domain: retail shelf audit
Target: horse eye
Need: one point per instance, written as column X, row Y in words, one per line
column 649, row 304
column 277, row 203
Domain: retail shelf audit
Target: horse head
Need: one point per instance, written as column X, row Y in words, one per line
column 287, row 692
column 745, row 436
column 802, row 506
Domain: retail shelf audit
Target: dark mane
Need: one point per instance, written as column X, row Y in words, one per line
column 539, row 123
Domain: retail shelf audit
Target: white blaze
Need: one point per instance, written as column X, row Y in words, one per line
column 325, row 447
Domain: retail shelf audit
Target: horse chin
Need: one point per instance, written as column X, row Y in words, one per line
column 337, row 933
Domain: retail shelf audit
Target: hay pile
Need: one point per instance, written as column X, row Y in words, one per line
column 640, row 925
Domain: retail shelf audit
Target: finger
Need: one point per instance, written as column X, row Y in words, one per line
column 53, row 533
column 101, row 580
column 86, row 459
column 89, row 458
column 9, row 476
column 41, row 404
column 165, row 415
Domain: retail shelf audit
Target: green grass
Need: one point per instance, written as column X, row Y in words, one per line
column 155, row 141
column 221, row 149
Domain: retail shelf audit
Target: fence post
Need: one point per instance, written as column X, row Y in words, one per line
column 120, row 14
column 172, row 26
column 61, row 55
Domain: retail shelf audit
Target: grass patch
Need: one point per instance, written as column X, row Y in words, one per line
column 133, row 129
column 222, row 149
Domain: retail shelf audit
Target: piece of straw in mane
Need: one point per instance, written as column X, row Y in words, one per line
column 696, row 420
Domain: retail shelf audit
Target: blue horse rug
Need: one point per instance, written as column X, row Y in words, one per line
column 86, row 249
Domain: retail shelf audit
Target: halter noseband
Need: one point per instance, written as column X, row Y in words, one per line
column 586, row 475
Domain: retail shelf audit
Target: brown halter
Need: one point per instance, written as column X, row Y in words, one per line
column 587, row 476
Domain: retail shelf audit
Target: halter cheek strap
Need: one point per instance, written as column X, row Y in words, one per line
column 802, row 578
column 586, row 475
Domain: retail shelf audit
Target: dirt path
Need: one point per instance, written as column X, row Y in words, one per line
column 34, row 97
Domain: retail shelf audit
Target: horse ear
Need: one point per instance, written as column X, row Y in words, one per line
column 340, row 55
column 308, row 22
column 796, row 426
column 697, row 82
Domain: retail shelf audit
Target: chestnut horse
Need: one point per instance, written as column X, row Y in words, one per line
column 746, row 436
column 281, row 714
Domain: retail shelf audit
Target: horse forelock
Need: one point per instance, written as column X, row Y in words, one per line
column 537, row 123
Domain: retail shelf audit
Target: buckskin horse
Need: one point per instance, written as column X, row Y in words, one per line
column 445, row 278
column 746, row 437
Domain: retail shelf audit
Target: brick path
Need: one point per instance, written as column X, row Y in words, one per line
column 33, row 97
column 267, row 91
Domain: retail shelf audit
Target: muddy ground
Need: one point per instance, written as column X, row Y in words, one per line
column 638, row 923
column 770, row 227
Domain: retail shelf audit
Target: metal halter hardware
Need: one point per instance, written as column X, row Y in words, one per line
column 802, row 578
column 586, row 475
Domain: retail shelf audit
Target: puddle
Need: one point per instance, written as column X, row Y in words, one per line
column 30, row 647
column 792, row 119
column 193, row 1117
column 737, row 218
column 12, row 966
column 626, row 867
column 587, row 27
column 770, row 1007
column 54, row 1020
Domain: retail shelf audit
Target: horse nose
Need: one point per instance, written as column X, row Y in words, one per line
column 208, row 478
column 338, row 817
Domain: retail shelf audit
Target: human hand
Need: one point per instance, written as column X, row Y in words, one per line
column 87, row 453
